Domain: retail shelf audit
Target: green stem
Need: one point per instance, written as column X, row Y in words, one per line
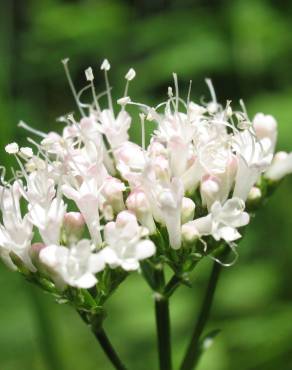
column 172, row 285
column 103, row 340
column 163, row 324
column 193, row 351
column 108, row 349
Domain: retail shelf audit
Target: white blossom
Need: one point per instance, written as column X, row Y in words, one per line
column 125, row 246
column 75, row 266
column 222, row 221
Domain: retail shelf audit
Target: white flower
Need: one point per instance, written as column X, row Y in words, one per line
column 115, row 128
column 222, row 221
column 125, row 246
column 16, row 231
column 86, row 198
column 75, row 266
column 138, row 203
column 254, row 157
column 48, row 219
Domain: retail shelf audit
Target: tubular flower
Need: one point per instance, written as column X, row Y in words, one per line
column 89, row 200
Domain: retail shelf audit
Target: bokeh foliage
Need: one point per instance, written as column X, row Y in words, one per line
column 245, row 47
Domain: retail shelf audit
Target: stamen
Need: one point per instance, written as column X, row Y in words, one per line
column 189, row 93
column 72, row 87
column 32, row 130
column 142, row 118
column 176, row 91
column 90, row 77
column 211, row 89
column 106, row 67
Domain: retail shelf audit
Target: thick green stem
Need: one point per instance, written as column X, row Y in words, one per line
column 193, row 351
column 163, row 332
column 162, row 324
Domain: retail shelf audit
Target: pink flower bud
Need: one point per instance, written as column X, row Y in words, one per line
column 137, row 202
column 73, row 224
column 125, row 217
column 35, row 249
column 113, row 192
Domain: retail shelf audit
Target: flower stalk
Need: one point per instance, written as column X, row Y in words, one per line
column 108, row 349
column 194, row 348
column 95, row 323
column 162, row 317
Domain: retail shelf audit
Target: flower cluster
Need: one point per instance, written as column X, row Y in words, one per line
column 90, row 200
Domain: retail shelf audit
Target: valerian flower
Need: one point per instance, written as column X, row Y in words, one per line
column 89, row 199
column 75, row 266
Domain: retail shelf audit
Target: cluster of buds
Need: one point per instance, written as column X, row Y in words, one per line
column 89, row 201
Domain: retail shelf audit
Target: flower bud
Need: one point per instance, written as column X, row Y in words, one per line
column 209, row 191
column 188, row 210
column 35, row 250
column 254, row 198
column 254, row 194
column 189, row 233
column 74, row 225
column 125, row 217
column 280, row 167
column 265, row 126
column 137, row 202
column 113, row 192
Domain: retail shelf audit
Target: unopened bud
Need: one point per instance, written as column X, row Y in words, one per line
column 265, row 126
column 35, row 250
column 209, row 191
column 189, row 233
column 113, row 192
column 280, row 167
column 137, row 202
column 254, row 194
column 125, row 217
column 188, row 210
column 74, row 225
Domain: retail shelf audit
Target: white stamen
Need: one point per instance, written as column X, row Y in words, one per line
column 130, row 74
column 89, row 74
column 142, row 118
column 12, row 148
column 72, row 87
column 124, row 101
column 105, row 66
column 30, row 129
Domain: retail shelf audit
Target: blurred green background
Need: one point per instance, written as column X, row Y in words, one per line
column 245, row 46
